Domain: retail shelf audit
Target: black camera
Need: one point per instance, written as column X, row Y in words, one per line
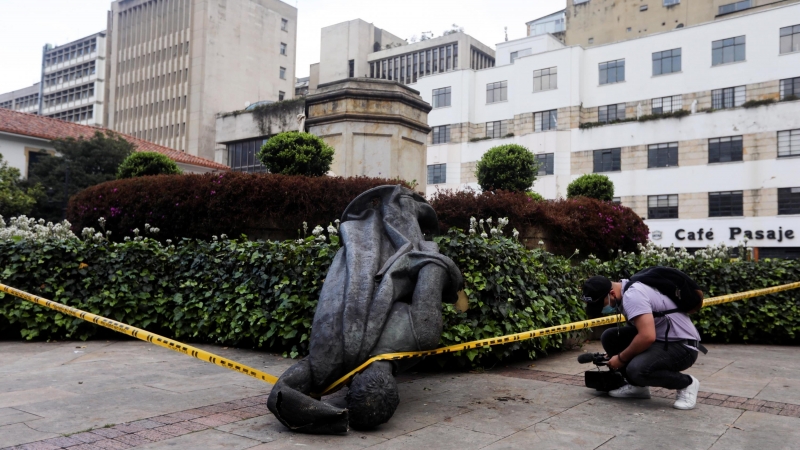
column 600, row 380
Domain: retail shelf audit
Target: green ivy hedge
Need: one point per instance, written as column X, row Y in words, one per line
column 263, row 294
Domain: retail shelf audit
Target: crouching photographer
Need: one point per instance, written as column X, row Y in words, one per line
column 659, row 340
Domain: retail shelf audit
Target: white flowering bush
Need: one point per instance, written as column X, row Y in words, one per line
column 27, row 228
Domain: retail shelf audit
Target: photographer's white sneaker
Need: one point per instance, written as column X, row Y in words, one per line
column 631, row 391
column 687, row 397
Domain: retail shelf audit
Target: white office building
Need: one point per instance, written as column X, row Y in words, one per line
column 73, row 80
column 727, row 171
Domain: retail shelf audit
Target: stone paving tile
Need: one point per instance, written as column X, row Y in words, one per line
column 216, row 420
column 192, row 426
column 111, row 444
column 153, row 435
column 37, row 446
column 132, row 440
column 84, row 447
column 86, row 437
column 109, row 433
column 173, row 430
column 146, row 424
column 129, row 428
column 63, row 441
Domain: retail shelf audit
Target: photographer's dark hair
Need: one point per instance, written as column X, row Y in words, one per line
column 372, row 398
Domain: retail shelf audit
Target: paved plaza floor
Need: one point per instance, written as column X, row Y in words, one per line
column 131, row 394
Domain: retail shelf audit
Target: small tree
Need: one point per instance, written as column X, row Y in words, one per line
column 509, row 167
column 81, row 163
column 15, row 200
column 593, row 186
column 142, row 164
column 296, row 153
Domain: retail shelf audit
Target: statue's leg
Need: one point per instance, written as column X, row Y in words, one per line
column 426, row 305
column 290, row 403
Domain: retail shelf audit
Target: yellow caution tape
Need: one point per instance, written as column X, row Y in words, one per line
column 232, row 365
column 541, row 332
column 143, row 335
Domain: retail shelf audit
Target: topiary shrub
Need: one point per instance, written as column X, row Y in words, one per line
column 586, row 224
column 509, row 167
column 591, row 185
column 201, row 206
column 142, row 164
column 535, row 196
column 296, row 153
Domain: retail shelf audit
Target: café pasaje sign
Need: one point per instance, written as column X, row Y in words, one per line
column 735, row 233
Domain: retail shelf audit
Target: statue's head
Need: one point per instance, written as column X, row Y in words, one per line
column 372, row 398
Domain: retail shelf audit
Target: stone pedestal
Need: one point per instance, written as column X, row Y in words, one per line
column 379, row 128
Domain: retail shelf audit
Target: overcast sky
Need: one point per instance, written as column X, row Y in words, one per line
column 29, row 24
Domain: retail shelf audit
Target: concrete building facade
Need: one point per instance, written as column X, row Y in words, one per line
column 23, row 100
column 598, row 22
column 727, row 164
column 74, row 80
column 175, row 64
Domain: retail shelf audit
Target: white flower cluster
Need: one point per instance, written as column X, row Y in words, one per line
column 667, row 255
column 317, row 233
column 27, row 228
column 481, row 226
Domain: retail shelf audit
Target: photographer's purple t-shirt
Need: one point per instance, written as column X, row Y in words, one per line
column 642, row 299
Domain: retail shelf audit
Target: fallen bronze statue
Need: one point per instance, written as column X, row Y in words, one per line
column 383, row 293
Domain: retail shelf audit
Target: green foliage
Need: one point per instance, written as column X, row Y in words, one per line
column 89, row 162
column 509, row 167
column 644, row 118
column 757, row 103
column 15, row 199
column 140, row 164
column 535, row 196
column 296, row 153
column 591, row 185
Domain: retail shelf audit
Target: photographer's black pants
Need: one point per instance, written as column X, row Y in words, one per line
column 657, row 366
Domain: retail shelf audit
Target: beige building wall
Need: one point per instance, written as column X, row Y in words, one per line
column 175, row 64
column 597, row 22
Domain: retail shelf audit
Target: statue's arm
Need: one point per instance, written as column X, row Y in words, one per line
column 426, row 305
column 290, row 403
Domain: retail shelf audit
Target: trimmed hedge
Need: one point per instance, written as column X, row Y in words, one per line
column 263, row 294
column 586, row 224
column 202, row 206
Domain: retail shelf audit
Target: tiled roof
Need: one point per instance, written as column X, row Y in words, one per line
column 47, row 128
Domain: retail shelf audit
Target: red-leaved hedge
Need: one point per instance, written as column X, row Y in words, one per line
column 586, row 224
column 201, row 206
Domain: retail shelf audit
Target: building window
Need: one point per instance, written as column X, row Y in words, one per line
column 437, row 173
column 668, row 61
column 611, row 113
column 546, row 162
column 727, row 50
column 666, row 104
column 789, row 143
column 671, row 2
column 662, row 155
column 545, row 120
column 497, row 92
column 733, row 7
column 284, row 25
column 242, row 156
column 790, row 39
column 441, row 135
column 607, row 160
column 283, row 73
column 281, row 95
column 725, row 149
column 725, row 204
column 789, row 200
column 612, row 72
column 496, row 129
column 662, row 206
column 519, row 54
column 441, row 97
column 727, row 98
column 283, row 48
column 790, row 89
column 545, row 79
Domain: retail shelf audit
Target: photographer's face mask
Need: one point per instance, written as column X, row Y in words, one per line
column 608, row 309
